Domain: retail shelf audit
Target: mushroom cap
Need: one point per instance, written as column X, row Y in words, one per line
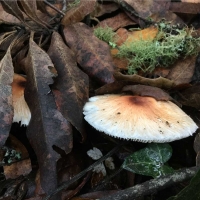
column 21, row 110
column 138, row 118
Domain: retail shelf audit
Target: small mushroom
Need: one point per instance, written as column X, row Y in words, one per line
column 21, row 110
column 138, row 118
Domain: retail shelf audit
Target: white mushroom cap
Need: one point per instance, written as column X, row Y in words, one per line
column 21, row 110
column 138, row 118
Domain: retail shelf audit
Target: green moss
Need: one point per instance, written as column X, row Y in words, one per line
column 105, row 34
column 168, row 46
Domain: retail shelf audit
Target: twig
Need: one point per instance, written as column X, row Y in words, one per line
column 154, row 185
column 74, row 192
column 81, row 174
column 53, row 7
column 106, row 180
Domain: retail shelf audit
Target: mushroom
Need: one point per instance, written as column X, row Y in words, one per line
column 138, row 118
column 21, row 110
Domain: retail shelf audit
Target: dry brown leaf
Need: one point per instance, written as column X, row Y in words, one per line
column 191, row 96
column 22, row 167
column 168, row 16
column 12, row 8
column 72, row 84
column 145, row 34
column 93, row 55
column 102, row 9
column 116, row 22
column 197, row 148
column 147, row 91
column 185, row 7
column 77, row 13
column 6, row 17
column 157, row 82
column 182, row 70
column 121, row 36
column 30, row 8
column 145, row 8
column 6, row 108
column 47, row 127
column 120, row 63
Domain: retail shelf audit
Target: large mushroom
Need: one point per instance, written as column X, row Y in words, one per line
column 21, row 110
column 138, row 118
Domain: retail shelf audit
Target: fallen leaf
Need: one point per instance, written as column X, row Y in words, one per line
column 196, row 75
column 30, row 8
column 147, row 91
column 72, row 84
column 191, row 96
column 121, row 36
column 103, row 9
column 6, row 108
column 93, row 55
column 47, row 127
column 185, row 7
column 168, row 16
column 157, row 82
column 6, row 17
column 19, row 168
column 182, row 70
column 77, row 13
column 197, row 149
column 120, row 63
column 145, row 34
column 116, row 22
column 12, row 8
column 145, row 8
column 112, row 88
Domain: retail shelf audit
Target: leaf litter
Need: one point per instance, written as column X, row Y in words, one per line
column 65, row 62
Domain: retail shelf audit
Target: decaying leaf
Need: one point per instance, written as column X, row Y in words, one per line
column 93, row 55
column 121, row 36
column 77, row 13
column 191, row 96
column 145, row 34
column 157, row 82
column 6, row 17
column 22, row 167
column 103, row 9
column 182, row 70
column 185, row 7
column 118, row 21
column 12, row 8
column 47, row 127
column 140, row 10
column 6, row 108
column 197, row 148
column 112, row 88
column 30, row 8
column 148, row 91
column 72, row 84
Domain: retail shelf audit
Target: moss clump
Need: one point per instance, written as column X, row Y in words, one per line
column 168, row 46
column 105, row 34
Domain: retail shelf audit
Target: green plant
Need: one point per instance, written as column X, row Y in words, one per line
column 169, row 45
column 106, row 34
column 150, row 161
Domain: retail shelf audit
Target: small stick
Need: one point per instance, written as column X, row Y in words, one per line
column 81, row 174
column 53, row 7
column 153, row 185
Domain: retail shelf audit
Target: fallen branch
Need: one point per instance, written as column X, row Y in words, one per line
column 154, row 185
